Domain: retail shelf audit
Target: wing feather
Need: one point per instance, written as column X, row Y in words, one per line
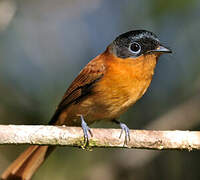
column 81, row 86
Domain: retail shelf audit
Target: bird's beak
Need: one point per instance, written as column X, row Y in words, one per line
column 161, row 49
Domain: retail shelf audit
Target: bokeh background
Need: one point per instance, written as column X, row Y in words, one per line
column 44, row 44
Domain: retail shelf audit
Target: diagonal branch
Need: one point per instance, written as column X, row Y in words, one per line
column 73, row 136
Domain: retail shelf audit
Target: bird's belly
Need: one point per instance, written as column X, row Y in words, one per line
column 114, row 101
column 106, row 104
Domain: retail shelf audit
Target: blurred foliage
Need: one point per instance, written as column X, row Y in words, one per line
column 44, row 44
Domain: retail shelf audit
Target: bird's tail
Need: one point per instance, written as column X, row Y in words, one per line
column 27, row 163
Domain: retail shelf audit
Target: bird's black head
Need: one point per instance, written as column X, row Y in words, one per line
column 136, row 43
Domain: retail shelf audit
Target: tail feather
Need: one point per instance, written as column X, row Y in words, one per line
column 27, row 163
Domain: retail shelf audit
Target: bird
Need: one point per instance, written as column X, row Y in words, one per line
column 104, row 89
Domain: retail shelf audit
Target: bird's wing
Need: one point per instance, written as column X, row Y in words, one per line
column 81, row 86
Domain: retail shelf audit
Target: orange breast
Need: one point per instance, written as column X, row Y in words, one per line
column 125, row 81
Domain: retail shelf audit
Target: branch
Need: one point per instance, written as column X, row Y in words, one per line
column 73, row 136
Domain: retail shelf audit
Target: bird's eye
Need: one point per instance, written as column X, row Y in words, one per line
column 135, row 48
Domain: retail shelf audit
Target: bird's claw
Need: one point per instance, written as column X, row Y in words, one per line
column 126, row 131
column 86, row 129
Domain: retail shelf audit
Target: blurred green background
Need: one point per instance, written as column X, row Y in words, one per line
column 44, row 44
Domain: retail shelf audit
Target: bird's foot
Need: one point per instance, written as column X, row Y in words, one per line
column 86, row 129
column 126, row 130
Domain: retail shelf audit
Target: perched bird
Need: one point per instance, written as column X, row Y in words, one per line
column 104, row 89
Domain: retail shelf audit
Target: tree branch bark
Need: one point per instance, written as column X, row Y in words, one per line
column 73, row 136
